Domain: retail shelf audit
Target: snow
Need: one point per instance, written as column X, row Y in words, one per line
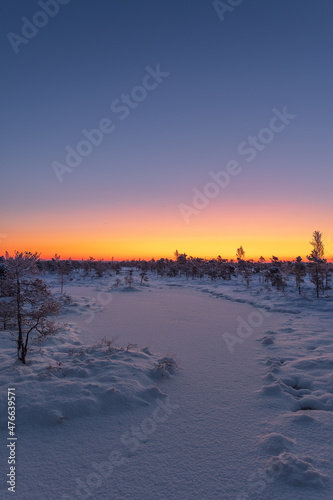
column 141, row 395
column 295, row 471
column 69, row 380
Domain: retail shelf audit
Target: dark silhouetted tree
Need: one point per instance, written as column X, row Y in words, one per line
column 240, row 254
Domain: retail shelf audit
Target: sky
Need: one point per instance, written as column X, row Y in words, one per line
column 132, row 129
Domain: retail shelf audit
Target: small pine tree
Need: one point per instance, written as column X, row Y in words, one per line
column 129, row 280
column 317, row 263
column 240, row 254
column 144, row 277
column 275, row 274
column 316, row 269
column 299, row 271
column 318, row 244
column 260, row 267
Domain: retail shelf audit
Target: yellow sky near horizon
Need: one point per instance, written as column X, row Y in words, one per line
column 145, row 233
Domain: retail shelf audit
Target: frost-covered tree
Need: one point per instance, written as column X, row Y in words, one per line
column 244, row 268
column 318, row 244
column 260, row 266
column 317, row 271
column 144, row 277
column 227, row 270
column 100, row 268
column 63, row 269
column 299, row 271
column 30, row 299
column 327, row 271
column 317, row 263
column 2, row 275
column 7, row 312
column 129, row 279
column 275, row 274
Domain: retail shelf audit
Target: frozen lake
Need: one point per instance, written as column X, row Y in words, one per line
column 206, row 449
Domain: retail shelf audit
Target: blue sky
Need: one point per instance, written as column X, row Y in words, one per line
column 224, row 80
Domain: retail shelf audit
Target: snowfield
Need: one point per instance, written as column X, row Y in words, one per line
column 178, row 389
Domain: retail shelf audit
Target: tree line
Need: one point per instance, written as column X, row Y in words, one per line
column 27, row 304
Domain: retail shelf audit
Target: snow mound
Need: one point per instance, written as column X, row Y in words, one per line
column 81, row 305
column 324, row 362
column 275, row 443
column 66, row 380
column 267, row 340
column 295, row 471
column 308, row 381
column 322, row 402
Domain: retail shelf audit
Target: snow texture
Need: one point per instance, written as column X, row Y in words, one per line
column 189, row 416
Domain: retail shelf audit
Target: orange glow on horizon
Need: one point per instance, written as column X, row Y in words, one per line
column 144, row 233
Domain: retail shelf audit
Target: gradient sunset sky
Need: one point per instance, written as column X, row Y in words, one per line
column 222, row 81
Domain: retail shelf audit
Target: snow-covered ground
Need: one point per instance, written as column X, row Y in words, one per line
column 208, row 390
